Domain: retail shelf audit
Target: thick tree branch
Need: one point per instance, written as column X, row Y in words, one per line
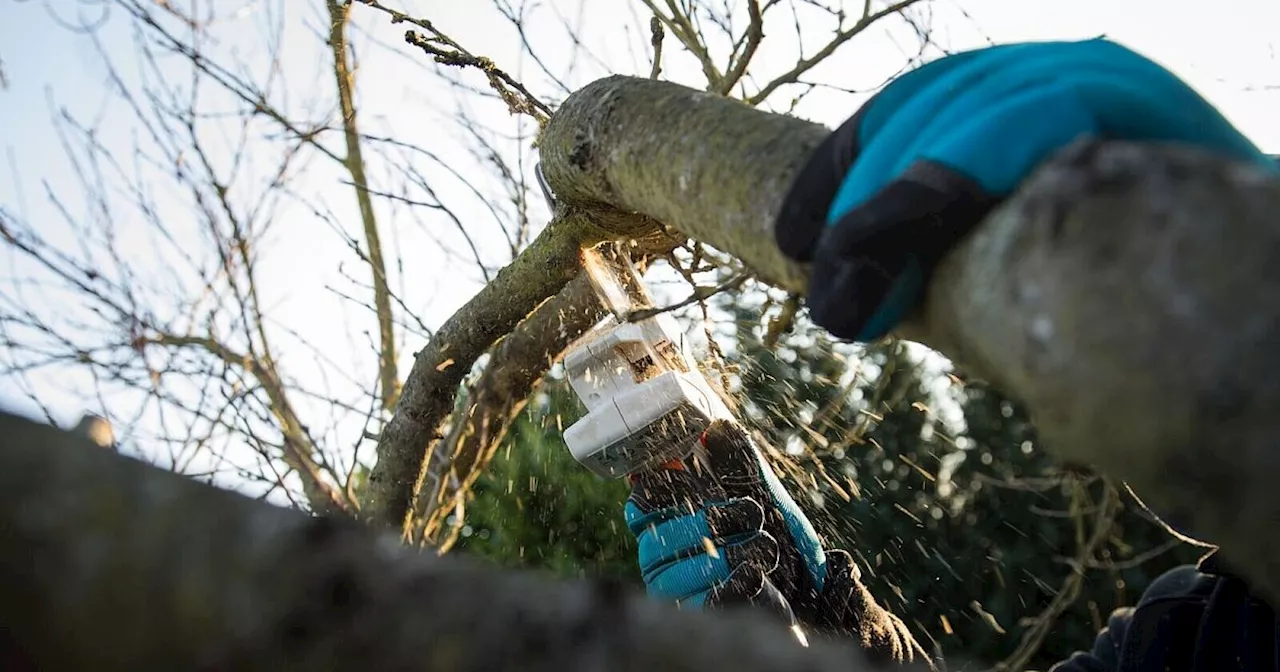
column 538, row 273
column 112, row 564
column 708, row 166
column 1129, row 295
column 518, row 363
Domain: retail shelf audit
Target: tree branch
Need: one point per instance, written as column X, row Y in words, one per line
column 1104, row 294
column 840, row 39
column 113, row 564
column 538, row 273
column 709, row 166
column 517, row 363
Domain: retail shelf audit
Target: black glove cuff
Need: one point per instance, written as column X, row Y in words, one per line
column 804, row 211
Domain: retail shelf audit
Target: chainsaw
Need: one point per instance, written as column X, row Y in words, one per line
column 647, row 401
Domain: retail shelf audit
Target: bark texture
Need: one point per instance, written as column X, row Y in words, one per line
column 517, row 363
column 112, row 564
column 1129, row 295
column 708, row 166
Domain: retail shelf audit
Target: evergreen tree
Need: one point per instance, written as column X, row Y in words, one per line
column 536, row 506
column 962, row 528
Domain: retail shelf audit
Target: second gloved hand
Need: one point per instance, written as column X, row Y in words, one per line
column 723, row 530
column 699, row 546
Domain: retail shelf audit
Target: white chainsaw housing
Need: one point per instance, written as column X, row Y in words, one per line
column 646, row 400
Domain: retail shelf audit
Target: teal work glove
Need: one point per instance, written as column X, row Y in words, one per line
column 884, row 199
column 723, row 530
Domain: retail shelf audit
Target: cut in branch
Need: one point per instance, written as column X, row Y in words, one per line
column 1129, row 295
column 112, row 564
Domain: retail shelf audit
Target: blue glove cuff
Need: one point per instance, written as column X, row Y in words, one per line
column 798, row 525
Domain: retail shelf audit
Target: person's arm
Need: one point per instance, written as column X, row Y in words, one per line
column 883, row 200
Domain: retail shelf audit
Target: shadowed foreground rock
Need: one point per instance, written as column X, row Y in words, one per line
column 108, row 563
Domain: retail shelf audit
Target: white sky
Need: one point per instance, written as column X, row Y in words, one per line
column 1227, row 53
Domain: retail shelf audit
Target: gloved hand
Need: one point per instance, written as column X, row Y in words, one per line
column 766, row 552
column 701, row 545
column 721, row 529
column 884, row 198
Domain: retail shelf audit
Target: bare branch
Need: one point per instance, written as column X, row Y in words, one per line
column 538, row 273
column 517, row 363
column 448, row 52
column 699, row 294
column 738, row 65
column 655, row 40
column 841, row 37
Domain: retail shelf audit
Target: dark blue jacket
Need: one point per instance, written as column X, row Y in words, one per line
column 1191, row 619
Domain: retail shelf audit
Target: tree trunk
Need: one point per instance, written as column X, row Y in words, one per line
column 113, row 564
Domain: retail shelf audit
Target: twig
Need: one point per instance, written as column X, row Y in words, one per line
column 805, row 64
column 448, row 52
column 1135, row 561
column 699, row 294
column 655, row 39
column 755, row 33
column 680, row 26
column 1067, row 593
